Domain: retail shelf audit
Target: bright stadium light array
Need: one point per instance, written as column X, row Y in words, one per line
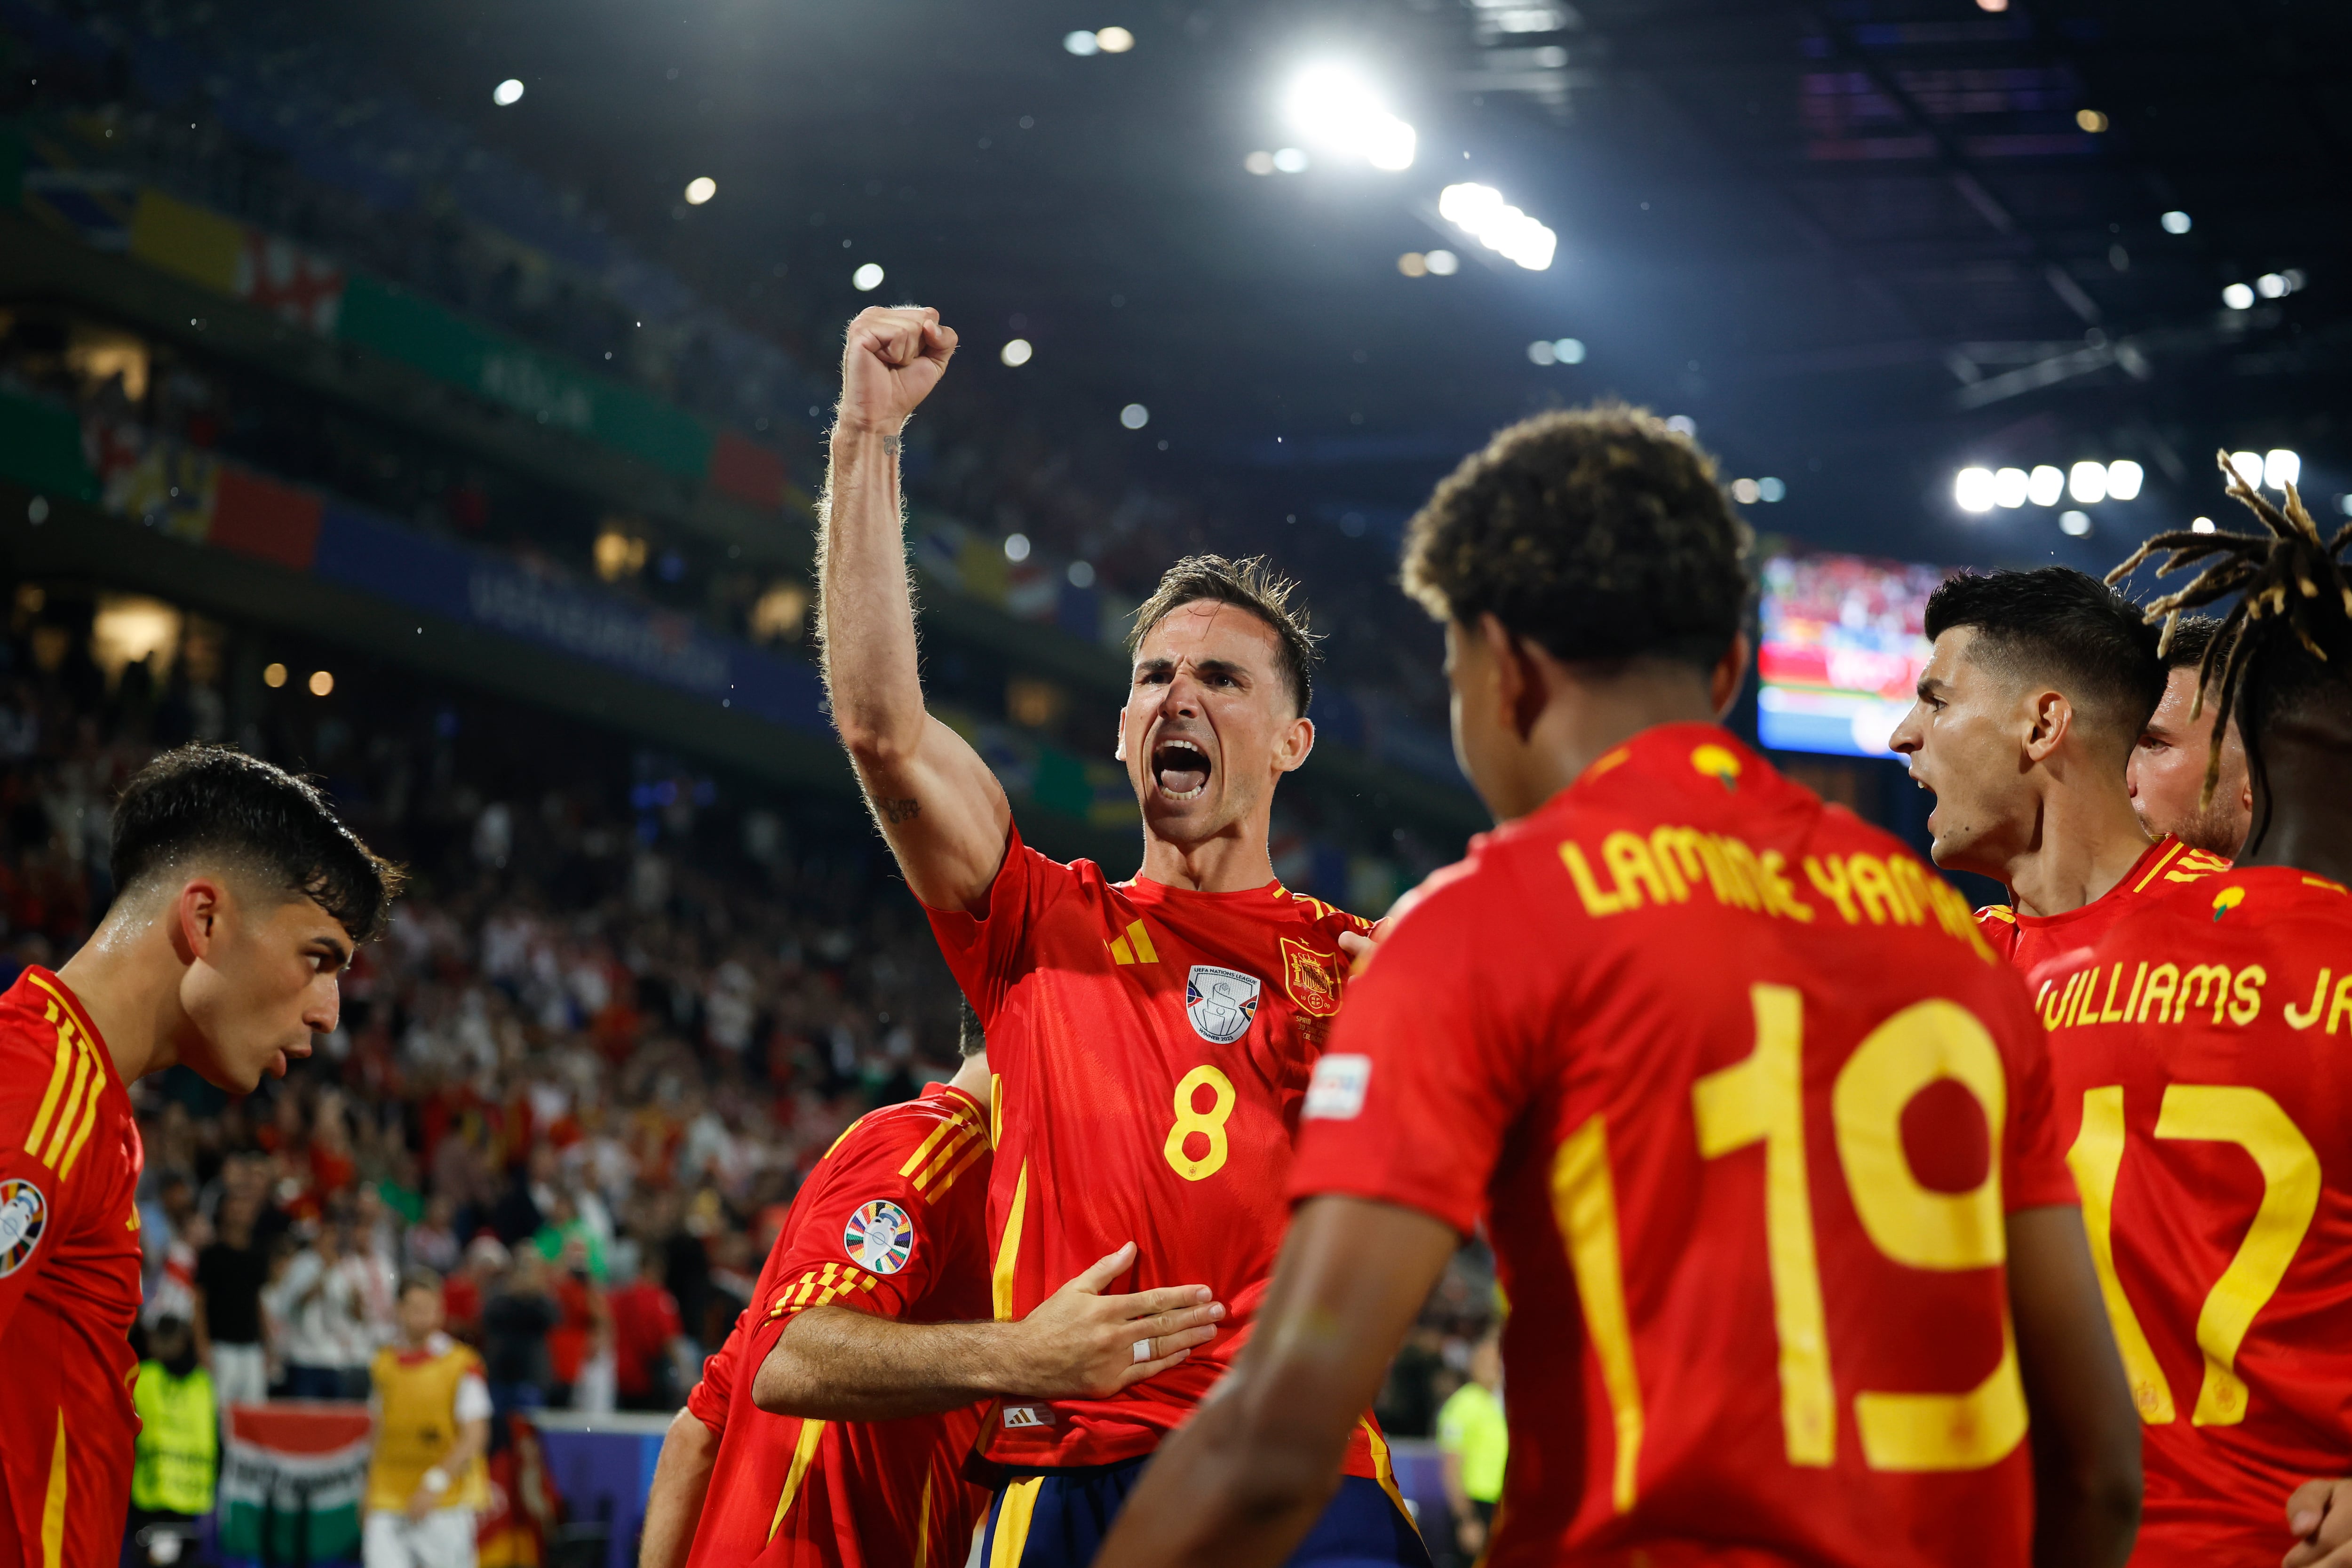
column 701, row 189
column 1016, row 352
column 2281, row 467
column 1556, row 350
column 1480, row 212
column 1335, row 108
column 507, row 93
column 1099, row 40
column 1980, row 489
column 866, row 279
column 2176, row 222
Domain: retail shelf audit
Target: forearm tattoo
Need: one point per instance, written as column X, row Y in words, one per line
column 894, row 812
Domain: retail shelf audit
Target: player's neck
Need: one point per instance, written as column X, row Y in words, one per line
column 127, row 978
column 2299, row 812
column 1585, row 721
column 2087, row 838
column 1233, row 861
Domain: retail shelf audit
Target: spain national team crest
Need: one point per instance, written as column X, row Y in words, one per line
column 23, row 1215
column 879, row 1238
column 1312, row 978
column 1220, row 1002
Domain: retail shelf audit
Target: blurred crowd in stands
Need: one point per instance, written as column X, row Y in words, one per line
column 253, row 111
column 622, row 1010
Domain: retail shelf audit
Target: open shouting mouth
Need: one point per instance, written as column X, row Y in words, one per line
column 1181, row 769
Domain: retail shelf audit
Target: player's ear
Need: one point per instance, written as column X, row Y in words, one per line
column 1298, row 743
column 1730, row 673
column 196, row 918
column 2052, row 719
column 1118, row 752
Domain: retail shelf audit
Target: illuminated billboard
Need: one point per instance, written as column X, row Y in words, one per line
column 1844, row 641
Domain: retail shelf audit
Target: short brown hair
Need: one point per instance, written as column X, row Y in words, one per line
column 1599, row 533
column 1253, row 585
column 2191, row 636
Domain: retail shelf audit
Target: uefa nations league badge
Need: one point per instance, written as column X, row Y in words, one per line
column 1220, row 1002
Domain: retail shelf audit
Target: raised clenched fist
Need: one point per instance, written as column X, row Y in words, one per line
column 894, row 356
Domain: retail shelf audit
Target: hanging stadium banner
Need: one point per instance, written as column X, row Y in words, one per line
column 291, row 1479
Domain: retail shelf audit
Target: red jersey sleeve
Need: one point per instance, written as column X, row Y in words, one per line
column 2034, row 1174
column 709, row 1398
column 1412, row 1102
column 983, row 950
column 49, row 1101
column 863, row 1235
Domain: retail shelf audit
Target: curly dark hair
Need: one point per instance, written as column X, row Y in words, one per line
column 1252, row 585
column 1599, row 533
column 2286, row 641
column 201, row 800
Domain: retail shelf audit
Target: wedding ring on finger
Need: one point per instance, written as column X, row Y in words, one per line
column 1142, row 1349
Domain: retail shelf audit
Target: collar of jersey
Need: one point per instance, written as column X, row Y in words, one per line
column 1663, row 752
column 1144, row 890
column 2124, row 888
column 950, row 1092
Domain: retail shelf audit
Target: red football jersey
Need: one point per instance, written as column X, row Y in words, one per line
column 2028, row 942
column 1151, row 1047
column 1744, row 1101
column 2202, row 1057
column 70, row 1160
column 891, row 1221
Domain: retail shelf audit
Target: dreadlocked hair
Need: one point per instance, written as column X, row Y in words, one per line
column 2282, row 578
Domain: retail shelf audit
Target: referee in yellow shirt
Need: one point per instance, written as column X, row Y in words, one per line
column 432, row 1411
column 1472, row 1443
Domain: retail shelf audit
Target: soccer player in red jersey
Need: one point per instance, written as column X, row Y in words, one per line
column 2039, row 687
column 2167, row 776
column 1760, row 1128
column 806, row 1443
column 239, row 898
column 2211, row 1112
column 1151, row 1038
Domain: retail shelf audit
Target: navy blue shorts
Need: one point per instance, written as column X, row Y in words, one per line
column 1057, row 1518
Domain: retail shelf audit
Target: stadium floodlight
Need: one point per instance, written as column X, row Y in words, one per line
column 866, row 279
column 2175, row 222
column 1017, row 547
column 2087, row 483
column 2074, row 524
column 2201, row 525
column 1540, row 351
column 2046, row 484
column 1333, row 106
column 1480, row 212
column 2247, row 466
column 2238, row 297
column 1568, row 351
column 1771, row 490
column 701, row 189
column 2281, row 467
column 1290, row 161
column 2124, row 479
column 1441, row 263
column 1745, row 492
column 1016, row 352
column 1082, row 42
column 1973, row 489
column 1135, row 416
column 507, row 93
column 2009, row 486
column 1114, row 40
column 1259, row 162
column 2270, row 285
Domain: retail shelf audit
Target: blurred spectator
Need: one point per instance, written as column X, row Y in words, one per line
column 464, row 1292
column 177, row 1456
column 431, row 1412
column 579, row 1348
column 230, row 1274
column 517, row 1318
column 432, row 1242
column 647, row 1329
column 324, row 1299
column 1473, row 1442
column 172, row 1288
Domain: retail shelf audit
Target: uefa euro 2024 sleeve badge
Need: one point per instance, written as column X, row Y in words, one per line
column 879, row 1238
column 23, row 1215
column 1220, row 1002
